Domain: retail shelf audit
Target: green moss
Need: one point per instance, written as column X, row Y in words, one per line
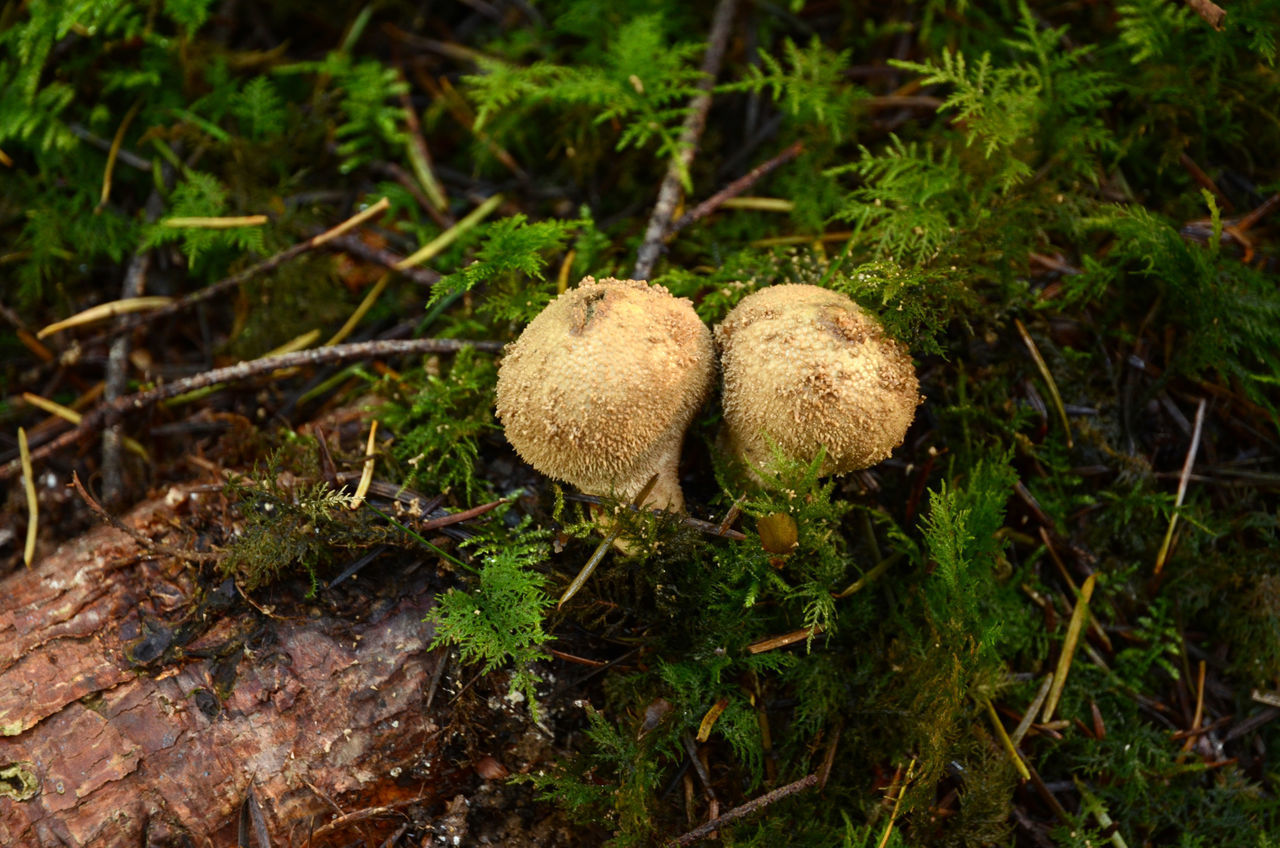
column 19, row 782
column 291, row 526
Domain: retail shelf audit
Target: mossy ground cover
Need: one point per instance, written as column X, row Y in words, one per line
column 1051, row 618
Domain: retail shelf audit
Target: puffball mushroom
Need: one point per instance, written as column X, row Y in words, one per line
column 599, row 388
column 806, row 368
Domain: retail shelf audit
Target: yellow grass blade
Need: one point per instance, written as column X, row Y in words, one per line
column 33, row 505
column 450, row 235
column 106, row 310
column 1074, row 628
column 230, row 222
column 366, row 476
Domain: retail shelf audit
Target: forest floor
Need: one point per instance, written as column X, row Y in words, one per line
column 260, row 268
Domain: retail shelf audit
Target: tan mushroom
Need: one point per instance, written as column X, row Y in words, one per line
column 805, row 368
column 599, row 388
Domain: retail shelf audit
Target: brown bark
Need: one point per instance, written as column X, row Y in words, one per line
column 95, row 750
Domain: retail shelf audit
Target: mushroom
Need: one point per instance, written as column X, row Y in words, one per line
column 599, row 388
column 805, row 368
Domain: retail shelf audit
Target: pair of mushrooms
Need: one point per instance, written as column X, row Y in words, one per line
column 599, row 388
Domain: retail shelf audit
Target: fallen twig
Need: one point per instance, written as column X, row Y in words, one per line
column 135, row 281
column 113, row 152
column 704, row 830
column 1211, row 12
column 1078, row 618
column 772, row 643
column 227, row 283
column 603, row 548
column 897, row 802
column 464, row 515
column 1048, row 378
column 140, row 537
column 735, row 188
column 669, row 191
column 1204, row 181
column 109, row 413
column 420, row 157
column 386, row 258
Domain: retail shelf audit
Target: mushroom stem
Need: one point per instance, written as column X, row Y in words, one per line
column 665, row 493
column 599, row 388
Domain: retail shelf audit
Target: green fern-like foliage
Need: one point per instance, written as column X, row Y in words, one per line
column 1229, row 312
column 202, row 195
column 912, row 197
column 29, row 111
column 964, row 595
column 808, row 83
column 1149, row 28
column 643, row 81
column 513, row 250
column 1050, row 98
column 914, row 304
column 63, row 229
column 612, row 783
column 996, row 104
column 441, row 425
column 818, row 566
column 190, row 14
column 260, row 109
column 499, row 620
column 367, row 90
column 370, row 122
column 1156, row 644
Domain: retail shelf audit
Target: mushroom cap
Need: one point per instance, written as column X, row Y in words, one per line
column 805, row 368
column 599, row 388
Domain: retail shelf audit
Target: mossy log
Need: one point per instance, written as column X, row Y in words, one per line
column 112, row 735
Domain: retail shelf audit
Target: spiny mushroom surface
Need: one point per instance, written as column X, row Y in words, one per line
column 806, row 368
column 599, row 388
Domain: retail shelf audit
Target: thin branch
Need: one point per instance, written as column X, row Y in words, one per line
column 138, row 536
column 1204, row 181
column 270, row 263
column 1078, row 618
column 705, row 830
column 419, row 153
column 736, row 188
column 464, row 515
column 669, row 192
column 829, row 758
column 110, row 413
column 1212, row 13
column 356, row 816
column 1266, row 208
column 612, row 536
column 113, row 153
column 362, row 250
column 699, row 768
column 117, row 371
column 1048, row 378
column 129, row 158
